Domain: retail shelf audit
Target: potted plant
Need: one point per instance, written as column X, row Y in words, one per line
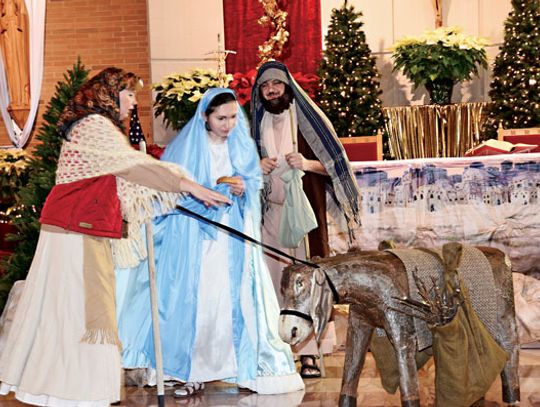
column 439, row 59
column 178, row 94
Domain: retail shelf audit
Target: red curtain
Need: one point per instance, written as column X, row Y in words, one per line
column 302, row 51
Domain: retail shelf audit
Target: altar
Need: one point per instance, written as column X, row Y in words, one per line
column 423, row 131
column 490, row 200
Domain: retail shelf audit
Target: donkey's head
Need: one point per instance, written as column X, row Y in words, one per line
column 308, row 300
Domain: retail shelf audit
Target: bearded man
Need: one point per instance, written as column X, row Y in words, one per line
column 292, row 132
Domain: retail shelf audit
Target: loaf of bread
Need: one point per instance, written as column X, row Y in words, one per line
column 228, row 180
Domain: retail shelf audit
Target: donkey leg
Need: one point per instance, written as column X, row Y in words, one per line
column 508, row 339
column 358, row 335
column 402, row 336
column 507, row 336
column 510, row 374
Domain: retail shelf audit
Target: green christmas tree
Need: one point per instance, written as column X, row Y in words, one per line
column 41, row 180
column 350, row 82
column 515, row 92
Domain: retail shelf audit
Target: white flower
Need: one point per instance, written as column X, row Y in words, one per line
column 448, row 36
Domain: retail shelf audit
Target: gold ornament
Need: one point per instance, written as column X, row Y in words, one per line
column 273, row 47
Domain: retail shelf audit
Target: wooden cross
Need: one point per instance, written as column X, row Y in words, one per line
column 220, row 56
column 437, row 6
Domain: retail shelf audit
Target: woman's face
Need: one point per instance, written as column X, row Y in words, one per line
column 128, row 100
column 221, row 121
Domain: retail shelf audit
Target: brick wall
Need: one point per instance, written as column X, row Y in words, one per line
column 103, row 33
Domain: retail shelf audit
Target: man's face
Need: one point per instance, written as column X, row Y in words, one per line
column 272, row 89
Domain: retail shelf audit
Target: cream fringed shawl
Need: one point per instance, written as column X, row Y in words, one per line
column 97, row 147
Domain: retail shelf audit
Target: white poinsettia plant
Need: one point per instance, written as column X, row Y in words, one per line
column 442, row 54
column 178, row 94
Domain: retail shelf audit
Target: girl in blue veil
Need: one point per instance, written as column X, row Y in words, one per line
column 218, row 309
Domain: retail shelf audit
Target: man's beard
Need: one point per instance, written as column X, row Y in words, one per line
column 278, row 105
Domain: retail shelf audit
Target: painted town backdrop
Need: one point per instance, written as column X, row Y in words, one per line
column 492, row 201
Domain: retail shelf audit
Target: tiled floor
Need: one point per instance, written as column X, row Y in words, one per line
column 325, row 392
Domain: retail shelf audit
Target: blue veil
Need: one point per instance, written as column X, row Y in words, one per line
column 260, row 353
column 190, row 149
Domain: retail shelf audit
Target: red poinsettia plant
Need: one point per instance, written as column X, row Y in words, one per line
column 154, row 150
column 310, row 83
column 242, row 84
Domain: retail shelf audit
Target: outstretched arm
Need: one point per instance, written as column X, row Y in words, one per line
column 207, row 196
column 169, row 178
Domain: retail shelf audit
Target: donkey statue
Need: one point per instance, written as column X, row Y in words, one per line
column 371, row 282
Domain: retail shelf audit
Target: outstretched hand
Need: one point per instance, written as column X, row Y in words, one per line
column 207, row 196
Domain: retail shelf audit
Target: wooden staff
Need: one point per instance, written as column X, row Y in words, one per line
column 306, row 236
column 154, row 304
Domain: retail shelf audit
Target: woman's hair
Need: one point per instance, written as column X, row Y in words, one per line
column 99, row 95
column 218, row 100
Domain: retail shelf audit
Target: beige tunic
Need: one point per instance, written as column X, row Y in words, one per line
column 45, row 360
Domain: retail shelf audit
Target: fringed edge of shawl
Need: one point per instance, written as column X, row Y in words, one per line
column 102, row 336
column 142, row 206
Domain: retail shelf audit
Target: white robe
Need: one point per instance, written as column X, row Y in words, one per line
column 213, row 355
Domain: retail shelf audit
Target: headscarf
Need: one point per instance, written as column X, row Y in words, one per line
column 99, row 95
column 318, row 133
column 190, row 149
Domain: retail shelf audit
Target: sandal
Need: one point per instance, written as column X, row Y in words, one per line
column 189, row 389
column 309, row 369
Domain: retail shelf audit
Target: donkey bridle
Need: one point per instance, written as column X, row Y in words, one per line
column 305, row 316
column 302, row 315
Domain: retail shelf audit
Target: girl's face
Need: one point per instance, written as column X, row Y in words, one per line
column 127, row 101
column 221, row 121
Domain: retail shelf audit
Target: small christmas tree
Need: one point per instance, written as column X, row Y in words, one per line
column 349, row 78
column 514, row 90
column 41, row 180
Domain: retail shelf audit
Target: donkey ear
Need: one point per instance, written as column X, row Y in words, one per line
column 321, row 303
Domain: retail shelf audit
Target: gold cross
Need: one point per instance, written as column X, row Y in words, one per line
column 220, row 56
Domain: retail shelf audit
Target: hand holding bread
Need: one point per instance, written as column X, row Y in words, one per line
column 236, row 184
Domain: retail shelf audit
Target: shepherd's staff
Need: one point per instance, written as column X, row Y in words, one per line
column 154, row 304
column 307, row 249
column 317, row 341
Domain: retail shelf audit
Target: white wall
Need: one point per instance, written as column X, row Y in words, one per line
column 182, row 31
